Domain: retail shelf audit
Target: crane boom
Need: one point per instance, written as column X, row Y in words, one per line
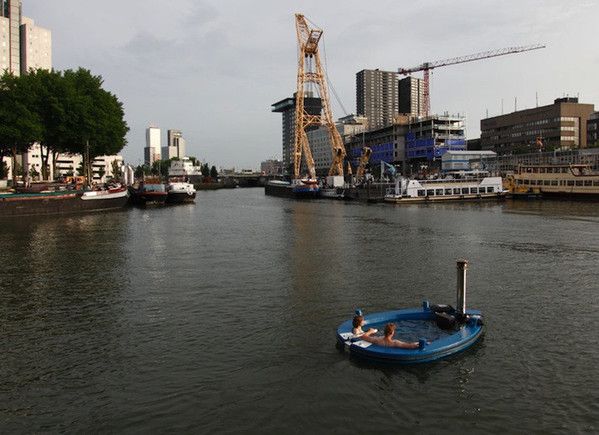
column 427, row 66
column 310, row 71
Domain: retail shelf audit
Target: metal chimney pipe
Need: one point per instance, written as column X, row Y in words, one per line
column 462, row 266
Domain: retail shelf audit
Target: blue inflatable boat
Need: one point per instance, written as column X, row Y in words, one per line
column 440, row 330
column 452, row 340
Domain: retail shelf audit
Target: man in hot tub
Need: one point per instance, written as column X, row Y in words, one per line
column 388, row 339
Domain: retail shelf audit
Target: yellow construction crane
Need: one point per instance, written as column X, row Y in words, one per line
column 310, row 72
column 364, row 158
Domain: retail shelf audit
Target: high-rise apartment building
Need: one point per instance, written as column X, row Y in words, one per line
column 10, row 40
column 175, row 146
column 152, row 149
column 23, row 45
column 561, row 125
column 411, row 96
column 376, row 96
column 36, row 46
column 286, row 107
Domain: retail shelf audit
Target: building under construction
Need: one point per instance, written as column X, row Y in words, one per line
column 410, row 141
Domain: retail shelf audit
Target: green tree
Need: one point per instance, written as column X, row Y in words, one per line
column 117, row 173
column 4, row 152
column 139, row 171
column 20, row 127
column 101, row 172
column 205, row 170
column 33, row 173
column 193, row 160
column 50, row 98
column 213, row 172
column 95, row 117
column 3, row 169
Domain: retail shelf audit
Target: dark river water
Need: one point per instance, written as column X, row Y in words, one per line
column 219, row 317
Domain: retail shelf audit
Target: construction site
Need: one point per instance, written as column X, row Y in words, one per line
column 393, row 131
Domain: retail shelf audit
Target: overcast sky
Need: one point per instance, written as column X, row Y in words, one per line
column 213, row 68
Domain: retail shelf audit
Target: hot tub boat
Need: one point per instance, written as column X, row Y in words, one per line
column 461, row 328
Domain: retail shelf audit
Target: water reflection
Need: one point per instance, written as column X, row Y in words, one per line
column 60, row 303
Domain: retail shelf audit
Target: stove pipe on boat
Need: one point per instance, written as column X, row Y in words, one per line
column 462, row 266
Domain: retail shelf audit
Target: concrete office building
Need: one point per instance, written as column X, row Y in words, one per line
column 320, row 141
column 152, row 149
column 175, row 145
column 286, row 108
column 10, row 39
column 102, row 166
column 411, row 96
column 36, row 46
column 377, row 96
column 561, row 125
column 271, row 167
column 593, row 130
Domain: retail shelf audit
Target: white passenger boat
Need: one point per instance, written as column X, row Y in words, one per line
column 451, row 188
column 179, row 192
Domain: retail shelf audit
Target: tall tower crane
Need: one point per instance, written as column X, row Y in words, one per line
column 427, row 66
column 310, row 72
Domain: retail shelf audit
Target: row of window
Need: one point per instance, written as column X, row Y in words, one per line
column 455, row 191
column 586, row 183
column 549, row 170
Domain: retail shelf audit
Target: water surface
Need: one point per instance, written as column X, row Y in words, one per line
column 220, row 317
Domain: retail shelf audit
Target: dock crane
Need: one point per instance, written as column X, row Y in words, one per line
column 366, row 152
column 428, row 66
column 310, row 72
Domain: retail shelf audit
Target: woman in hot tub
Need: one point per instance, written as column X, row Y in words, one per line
column 358, row 322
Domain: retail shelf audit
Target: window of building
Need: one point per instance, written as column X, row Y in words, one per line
column 430, row 192
column 489, row 189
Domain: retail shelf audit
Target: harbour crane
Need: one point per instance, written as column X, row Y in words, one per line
column 426, row 67
column 366, row 152
column 310, row 73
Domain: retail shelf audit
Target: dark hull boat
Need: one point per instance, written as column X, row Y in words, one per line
column 62, row 202
column 148, row 194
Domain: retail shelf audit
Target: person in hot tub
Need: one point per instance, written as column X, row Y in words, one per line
column 358, row 322
column 388, row 339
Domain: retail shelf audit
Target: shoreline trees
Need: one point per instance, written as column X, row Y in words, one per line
column 65, row 112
